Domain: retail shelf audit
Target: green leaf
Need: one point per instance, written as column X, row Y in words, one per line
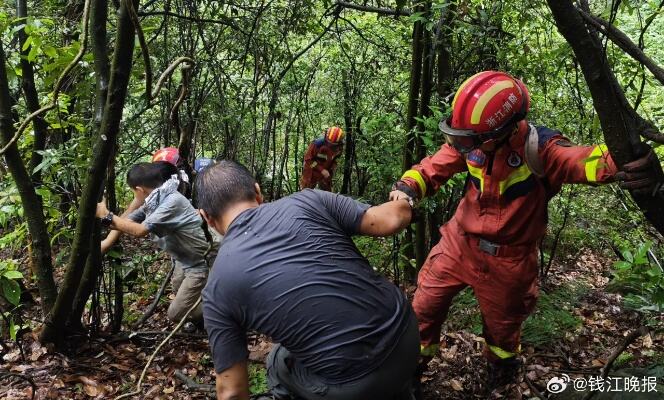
column 32, row 55
column 27, row 43
column 628, row 255
column 13, row 329
column 13, row 275
column 622, row 265
column 50, row 51
column 11, row 290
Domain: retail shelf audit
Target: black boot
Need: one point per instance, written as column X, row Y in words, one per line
column 502, row 372
column 416, row 392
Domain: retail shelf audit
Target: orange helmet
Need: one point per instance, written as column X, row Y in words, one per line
column 485, row 106
column 168, row 154
column 334, row 134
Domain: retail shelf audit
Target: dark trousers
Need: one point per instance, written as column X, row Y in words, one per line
column 289, row 379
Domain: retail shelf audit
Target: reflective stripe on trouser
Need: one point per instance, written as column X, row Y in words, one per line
column 505, row 288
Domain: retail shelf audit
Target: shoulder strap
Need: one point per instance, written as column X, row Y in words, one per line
column 533, row 159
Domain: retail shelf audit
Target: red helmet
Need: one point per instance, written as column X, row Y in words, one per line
column 484, row 106
column 168, row 154
column 334, row 134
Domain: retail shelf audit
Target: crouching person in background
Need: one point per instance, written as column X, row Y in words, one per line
column 289, row 269
column 174, row 225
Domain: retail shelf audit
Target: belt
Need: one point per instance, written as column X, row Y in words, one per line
column 502, row 250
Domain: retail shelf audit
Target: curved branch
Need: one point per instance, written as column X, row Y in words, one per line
column 58, row 84
column 383, row 11
column 26, row 378
column 225, row 22
column 624, row 42
column 649, row 21
column 144, row 49
column 653, row 135
column 169, row 71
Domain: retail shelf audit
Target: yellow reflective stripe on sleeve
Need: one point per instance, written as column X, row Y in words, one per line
column 417, row 177
column 313, row 164
column 430, row 350
column 501, row 353
column 592, row 162
column 485, row 97
column 322, row 156
column 519, row 175
column 477, row 173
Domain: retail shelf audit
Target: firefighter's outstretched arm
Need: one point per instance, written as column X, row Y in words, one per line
column 566, row 163
column 426, row 177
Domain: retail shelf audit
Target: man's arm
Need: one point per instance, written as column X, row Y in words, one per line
column 129, row 227
column 114, row 235
column 233, row 383
column 386, row 219
column 123, row 225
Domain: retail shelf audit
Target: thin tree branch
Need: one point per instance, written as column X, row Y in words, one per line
column 144, row 49
column 226, row 22
column 58, row 83
column 402, row 12
column 192, row 384
column 649, row 21
column 653, row 135
column 148, row 313
column 169, row 71
column 624, row 42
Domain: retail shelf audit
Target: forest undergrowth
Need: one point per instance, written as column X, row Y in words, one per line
column 575, row 328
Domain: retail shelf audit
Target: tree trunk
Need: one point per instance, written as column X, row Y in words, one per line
column 91, row 273
column 349, row 118
column 444, row 80
column 117, row 92
column 93, row 266
column 32, row 204
column 413, row 101
column 39, row 126
column 620, row 123
column 421, row 248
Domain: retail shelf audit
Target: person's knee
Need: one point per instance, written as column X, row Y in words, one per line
column 175, row 312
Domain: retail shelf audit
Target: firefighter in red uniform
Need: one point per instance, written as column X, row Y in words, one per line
column 320, row 160
column 491, row 243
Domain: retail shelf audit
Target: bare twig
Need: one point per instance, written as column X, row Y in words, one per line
column 148, row 313
column 59, row 83
column 152, row 356
column 129, row 4
column 383, row 11
column 629, row 339
column 150, row 335
column 169, row 71
column 226, row 22
column 26, row 378
column 533, row 388
column 193, row 385
column 653, row 135
column 624, row 42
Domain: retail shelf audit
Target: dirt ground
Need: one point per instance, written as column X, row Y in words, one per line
column 109, row 365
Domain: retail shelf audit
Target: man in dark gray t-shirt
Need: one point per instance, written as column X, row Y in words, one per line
column 289, row 269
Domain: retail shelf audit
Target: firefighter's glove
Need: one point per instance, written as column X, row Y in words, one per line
column 643, row 175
